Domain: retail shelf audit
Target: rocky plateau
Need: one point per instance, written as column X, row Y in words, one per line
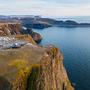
column 31, row 66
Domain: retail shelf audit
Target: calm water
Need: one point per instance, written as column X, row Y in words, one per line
column 74, row 43
column 79, row 19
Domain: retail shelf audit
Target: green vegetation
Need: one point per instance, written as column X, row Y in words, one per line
column 19, row 63
column 53, row 51
column 68, row 86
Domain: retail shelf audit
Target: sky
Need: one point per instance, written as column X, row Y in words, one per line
column 46, row 8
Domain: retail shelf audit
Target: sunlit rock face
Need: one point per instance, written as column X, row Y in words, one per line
column 17, row 29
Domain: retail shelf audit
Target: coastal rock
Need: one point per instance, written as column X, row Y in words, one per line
column 33, row 22
column 38, row 25
column 29, row 30
column 69, row 22
column 73, row 84
column 36, row 37
column 17, row 29
column 33, row 68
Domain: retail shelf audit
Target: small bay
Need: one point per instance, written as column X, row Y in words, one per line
column 74, row 43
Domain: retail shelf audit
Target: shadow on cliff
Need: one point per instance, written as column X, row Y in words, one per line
column 4, row 83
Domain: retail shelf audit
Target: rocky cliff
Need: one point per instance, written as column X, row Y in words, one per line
column 31, row 67
column 36, row 36
column 17, row 29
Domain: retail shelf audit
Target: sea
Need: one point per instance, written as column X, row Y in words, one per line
column 74, row 43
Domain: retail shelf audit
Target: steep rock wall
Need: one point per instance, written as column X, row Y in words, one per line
column 36, row 36
column 50, row 74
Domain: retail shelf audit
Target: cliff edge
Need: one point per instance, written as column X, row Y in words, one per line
column 31, row 67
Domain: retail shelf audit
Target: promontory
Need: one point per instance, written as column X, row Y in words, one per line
column 24, row 65
column 41, row 23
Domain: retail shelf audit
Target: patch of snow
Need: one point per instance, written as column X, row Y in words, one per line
column 8, row 29
column 4, row 39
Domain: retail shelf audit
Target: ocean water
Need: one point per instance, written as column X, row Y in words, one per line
column 74, row 43
column 79, row 19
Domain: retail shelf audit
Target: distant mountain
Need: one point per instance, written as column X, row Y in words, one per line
column 4, row 16
column 21, row 15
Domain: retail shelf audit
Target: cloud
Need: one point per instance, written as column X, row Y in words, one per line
column 45, row 8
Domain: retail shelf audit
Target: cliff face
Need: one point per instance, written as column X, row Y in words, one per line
column 4, row 29
column 17, row 29
column 33, row 68
column 11, row 29
column 50, row 74
column 36, row 37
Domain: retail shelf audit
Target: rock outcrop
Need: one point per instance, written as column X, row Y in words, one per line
column 17, row 29
column 2, row 33
column 34, row 23
column 33, row 68
column 36, row 37
column 69, row 22
column 38, row 25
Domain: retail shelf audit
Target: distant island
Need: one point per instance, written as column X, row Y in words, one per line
column 9, row 16
column 31, row 21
